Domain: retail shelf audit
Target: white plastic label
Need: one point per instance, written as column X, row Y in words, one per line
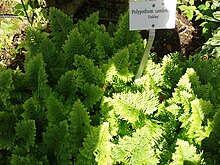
column 152, row 14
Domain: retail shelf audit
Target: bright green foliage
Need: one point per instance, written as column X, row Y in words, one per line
column 104, row 46
column 185, row 154
column 121, row 61
column 130, row 106
column 76, row 101
column 198, row 125
column 140, row 148
column 102, row 152
column 97, row 144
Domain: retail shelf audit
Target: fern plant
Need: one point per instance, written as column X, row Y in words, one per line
column 76, row 102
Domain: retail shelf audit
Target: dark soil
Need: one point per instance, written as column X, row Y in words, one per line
column 185, row 38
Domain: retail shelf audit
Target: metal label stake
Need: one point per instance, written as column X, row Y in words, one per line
column 151, row 14
column 146, row 53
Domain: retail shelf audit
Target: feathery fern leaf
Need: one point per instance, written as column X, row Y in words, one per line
column 186, row 154
column 55, row 144
column 55, row 110
column 34, row 110
column 60, row 24
column 26, row 132
column 172, row 69
column 141, row 148
column 103, row 47
column 75, row 44
column 124, row 109
column 124, row 37
column 102, row 152
column 121, row 61
column 6, row 85
column 96, row 147
column 33, row 42
column 109, row 115
column 35, row 73
column 199, row 126
column 86, row 153
column 21, row 160
column 68, row 80
column 7, row 129
column 79, row 126
column 89, row 27
column 91, row 94
column 88, row 71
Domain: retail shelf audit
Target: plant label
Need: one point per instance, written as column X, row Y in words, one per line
column 152, row 14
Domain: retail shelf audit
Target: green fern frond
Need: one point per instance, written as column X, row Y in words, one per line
column 109, row 115
column 186, row 154
column 102, row 152
column 55, row 110
column 34, row 110
column 96, row 147
column 21, row 160
column 79, row 126
column 172, row 69
column 121, row 61
column 35, row 73
column 154, row 76
column 87, row 71
column 129, row 106
column 26, row 132
column 91, row 94
column 184, row 93
column 7, row 129
column 33, row 42
column 75, row 44
column 145, row 102
column 89, row 27
column 51, row 54
column 135, row 56
column 60, row 24
column 114, row 78
column 68, row 79
column 123, row 36
column 6, row 85
column 124, row 109
column 55, row 144
column 211, row 145
column 103, row 47
column 141, row 148
column 86, row 153
column 19, row 94
column 199, row 126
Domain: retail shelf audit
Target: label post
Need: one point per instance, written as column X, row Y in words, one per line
column 151, row 15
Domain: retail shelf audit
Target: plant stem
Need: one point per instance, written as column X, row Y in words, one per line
column 26, row 12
